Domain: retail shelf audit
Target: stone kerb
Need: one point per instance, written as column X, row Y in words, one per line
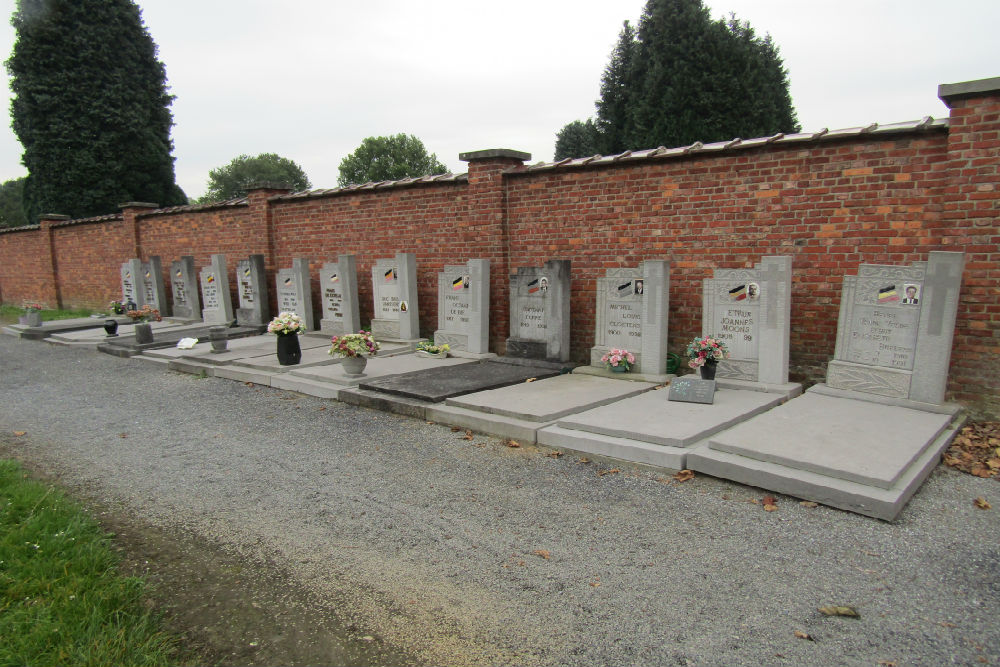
column 294, row 291
column 895, row 330
column 338, row 284
column 463, row 307
column 394, row 289
column 632, row 314
column 750, row 310
column 539, row 312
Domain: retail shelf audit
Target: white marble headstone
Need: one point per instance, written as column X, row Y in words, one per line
column 464, row 306
column 338, row 283
column 631, row 314
column 294, row 293
column 394, row 289
column 217, row 302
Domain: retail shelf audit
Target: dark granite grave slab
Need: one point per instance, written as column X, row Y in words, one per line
column 437, row 384
column 125, row 346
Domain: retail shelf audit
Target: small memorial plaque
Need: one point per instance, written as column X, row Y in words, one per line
column 692, row 390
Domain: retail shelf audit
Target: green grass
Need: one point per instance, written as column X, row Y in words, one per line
column 62, row 600
column 10, row 313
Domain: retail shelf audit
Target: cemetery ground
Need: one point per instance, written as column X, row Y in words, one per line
column 277, row 528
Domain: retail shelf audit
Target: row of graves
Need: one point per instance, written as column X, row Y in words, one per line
column 863, row 441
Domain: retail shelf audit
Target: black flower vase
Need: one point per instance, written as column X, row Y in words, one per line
column 289, row 352
column 708, row 370
column 111, row 327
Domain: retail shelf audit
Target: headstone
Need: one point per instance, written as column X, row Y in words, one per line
column 217, row 303
column 690, row 389
column 394, row 286
column 749, row 310
column 154, row 289
column 632, row 310
column 464, row 306
column 184, row 286
column 131, row 274
column 539, row 312
column 339, row 290
column 294, row 291
column 252, row 292
column 896, row 327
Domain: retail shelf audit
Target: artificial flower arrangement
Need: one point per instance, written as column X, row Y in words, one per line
column 617, row 358
column 116, row 308
column 286, row 324
column 359, row 344
column 431, row 348
column 706, row 350
column 33, row 308
column 145, row 314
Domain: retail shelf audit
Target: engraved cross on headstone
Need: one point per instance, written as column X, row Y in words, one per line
column 938, row 281
column 772, row 276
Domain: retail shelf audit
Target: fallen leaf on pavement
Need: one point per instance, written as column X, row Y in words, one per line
column 804, row 635
column 684, row 475
column 455, row 429
column 612, row 471
column 512, row 443
column 554, row 455
column 543, row 553
column 808, row 503
column 981, row 503
column 770, row 504
column 886, row 663
column 123, row 435
column 583, row 459
column 832, row 610
column 531, row 379
column 468, row 435
column 249, row 384
column 18, row 434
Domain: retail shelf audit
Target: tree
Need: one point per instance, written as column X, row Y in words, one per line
column 91, row 108
column 232, row 180
column 388, row 159
column 682, row 77
column 11, row 206
column 578, row 140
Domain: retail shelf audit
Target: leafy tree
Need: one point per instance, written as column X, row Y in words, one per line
column 91, row 108
column 11, row 206
column 578, row 140
column 388, row 159
column 232, row 180
column 682, row 77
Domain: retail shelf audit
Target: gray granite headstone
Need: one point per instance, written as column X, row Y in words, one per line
column 184, row 286
column 464, row 306
column 539, row 312
column 131, row 274
column 749, row 310
column 692, row 390
column 153, row 287
column 896, row 327
column 394, row 286
column 217, row 303
column 252, row 292
column 631, row 314
column 338, row 284
column 294, row 291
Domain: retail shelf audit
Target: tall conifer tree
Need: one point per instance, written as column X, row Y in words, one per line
column 616, row 88
column 91, row 108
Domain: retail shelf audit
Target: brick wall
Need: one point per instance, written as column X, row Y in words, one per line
column 831, row 201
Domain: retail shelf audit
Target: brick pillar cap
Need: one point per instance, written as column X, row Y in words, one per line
column 949, row 92
column 53, row 216
column 138, row 204
column 494, row 153
column 270, row 185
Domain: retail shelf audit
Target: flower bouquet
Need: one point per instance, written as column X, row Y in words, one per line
column 145, row 314
column 706, row 350
column 359, row 344
column 33, row 308
column 619, row 361
column 286, row 324
column 116, row 308
column 429, row 349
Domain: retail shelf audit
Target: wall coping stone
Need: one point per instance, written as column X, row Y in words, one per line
column 950, row 92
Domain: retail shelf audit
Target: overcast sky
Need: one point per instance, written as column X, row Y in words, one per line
column 310, row 79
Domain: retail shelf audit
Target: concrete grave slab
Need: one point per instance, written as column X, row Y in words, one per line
column 56, row 327
column 164, row 336
column 377, row 367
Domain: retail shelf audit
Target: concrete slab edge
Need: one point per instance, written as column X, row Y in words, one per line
column 943, row 409
column 632, row 451
column 306, row 386
column 484, row 422
column 384, row 402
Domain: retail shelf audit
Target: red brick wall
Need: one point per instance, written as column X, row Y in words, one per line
column 22, row 276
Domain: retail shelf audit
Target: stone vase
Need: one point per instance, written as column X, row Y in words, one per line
column 219, row 338
column 289, row 350
column 33, row 319
column 708, row 370
column 355, row 366
column 111, row 327
column 143, row 333
column 620, row 368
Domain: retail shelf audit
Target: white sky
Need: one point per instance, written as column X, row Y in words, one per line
column 310, row 79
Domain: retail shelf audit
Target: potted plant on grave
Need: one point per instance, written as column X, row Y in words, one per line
column 705, row 354
column 142, row 318
column 355, row 349
column 32, row 315
column 287, row 327
column 116, row 308
column 428, row 349
column 618, row 361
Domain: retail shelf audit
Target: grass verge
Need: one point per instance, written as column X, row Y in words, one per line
column 62, row 600
column 12, row 312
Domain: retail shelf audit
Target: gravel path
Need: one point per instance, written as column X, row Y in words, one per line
column 430, row 540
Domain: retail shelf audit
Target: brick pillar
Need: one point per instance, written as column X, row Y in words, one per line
column 261, row 220
column 971, row 222
column 130, row 213
column 488, row 212
column 49, row 293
